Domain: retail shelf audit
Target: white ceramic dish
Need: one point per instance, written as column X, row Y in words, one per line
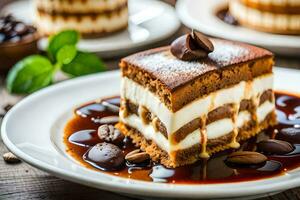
column 32, row 130
column 200, row 15
column 150, row 21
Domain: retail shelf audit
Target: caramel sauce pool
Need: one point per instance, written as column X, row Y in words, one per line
column 81, row 134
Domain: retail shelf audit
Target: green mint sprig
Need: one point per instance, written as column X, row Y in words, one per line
column 36, row 71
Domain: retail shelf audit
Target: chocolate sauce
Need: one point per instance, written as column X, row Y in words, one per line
column 85, row 138
column 80, row 136
column 226, row 17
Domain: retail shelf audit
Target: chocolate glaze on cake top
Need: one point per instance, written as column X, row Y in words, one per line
column 172, row 72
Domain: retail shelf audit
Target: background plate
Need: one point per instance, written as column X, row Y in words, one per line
column 32, row 130
column 200, row 15
column 150, row 21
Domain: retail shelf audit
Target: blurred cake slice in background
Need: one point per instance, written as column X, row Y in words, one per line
column 274, row 16
column 92, row 18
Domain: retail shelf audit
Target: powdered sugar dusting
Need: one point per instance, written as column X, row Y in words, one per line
column 227, row 54
column 174, row 72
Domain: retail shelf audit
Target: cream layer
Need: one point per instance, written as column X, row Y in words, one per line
column 213, row 130
column 267, row 20
column 139, row 95
column 78, row 6
column 86, row 24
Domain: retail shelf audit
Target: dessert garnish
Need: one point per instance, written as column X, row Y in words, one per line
column 105, row 156
column 137, row 156
column 37, row 71
column 12, row 30
column 191, row 46
column 246, row 158
column 110, row 134
column 289, row 134
column 272, row 146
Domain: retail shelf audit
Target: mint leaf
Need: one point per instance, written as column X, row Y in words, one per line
column 66, row 54
column 84, row 63
column 68, row 37
column 30, row 74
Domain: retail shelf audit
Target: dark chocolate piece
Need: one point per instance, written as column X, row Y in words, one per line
column 202, row 41
column 191, row 46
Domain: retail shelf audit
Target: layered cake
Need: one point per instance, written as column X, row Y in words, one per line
column 187, row 101
column 89, row 17
column 275, row 16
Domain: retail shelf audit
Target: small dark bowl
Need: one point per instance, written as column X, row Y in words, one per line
column 12, row 52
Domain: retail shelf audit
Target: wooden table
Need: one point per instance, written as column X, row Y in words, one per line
column 21, row 181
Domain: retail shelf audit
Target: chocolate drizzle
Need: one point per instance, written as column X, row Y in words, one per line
column 191, row 46
column 81, row 136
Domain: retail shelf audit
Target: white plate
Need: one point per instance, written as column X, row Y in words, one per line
column 200, row 15
column 32, row 130
column 150, row 21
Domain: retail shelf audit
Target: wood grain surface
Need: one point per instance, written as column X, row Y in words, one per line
column 21, row 181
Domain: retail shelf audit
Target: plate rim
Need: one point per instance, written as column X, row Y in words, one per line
column 135, row 186
column 189, row 21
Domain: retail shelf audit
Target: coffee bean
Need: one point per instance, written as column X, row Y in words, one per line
column 291, row 135
column 105, row 156
column 14, row 30
column 246, row 158
column 7, row 107
column 20, row 28
column 106, row 120
column 272, row 146
column 10, row 158
column 136, row 156
column 109, row 133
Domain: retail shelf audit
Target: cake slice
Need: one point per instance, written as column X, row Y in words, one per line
column 274, row 16
column 180, row 111
column 92, row 18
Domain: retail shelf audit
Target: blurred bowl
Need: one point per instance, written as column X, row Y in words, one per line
column 11, row 52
